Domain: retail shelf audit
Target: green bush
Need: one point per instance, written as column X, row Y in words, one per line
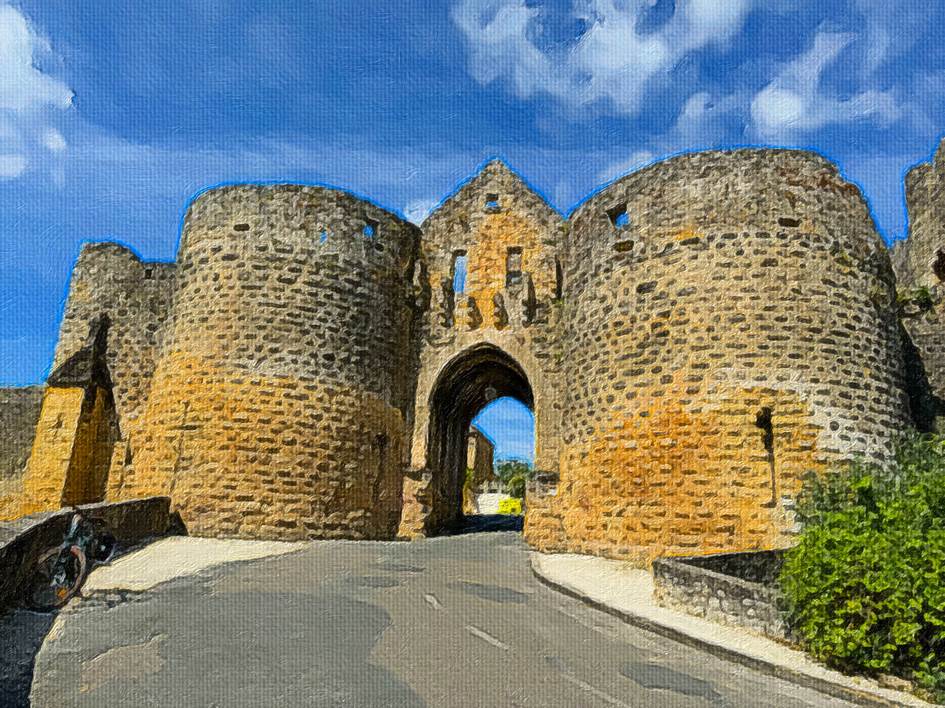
column 515, row 487
column 865, row 586
column 513, row 474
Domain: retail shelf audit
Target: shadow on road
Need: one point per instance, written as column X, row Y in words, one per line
column 482, row 523
column 21, row 635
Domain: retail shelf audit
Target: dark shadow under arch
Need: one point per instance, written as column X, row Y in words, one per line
column 468, row 383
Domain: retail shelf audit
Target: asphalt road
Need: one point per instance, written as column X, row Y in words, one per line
column 452, row 621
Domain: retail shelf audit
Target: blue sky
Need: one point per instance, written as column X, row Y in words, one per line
column 112, row 114
column 510, row 426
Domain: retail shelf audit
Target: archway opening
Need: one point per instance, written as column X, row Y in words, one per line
column 485, row 385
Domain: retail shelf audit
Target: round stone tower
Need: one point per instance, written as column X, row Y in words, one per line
column 279, row 404
column 730, row 325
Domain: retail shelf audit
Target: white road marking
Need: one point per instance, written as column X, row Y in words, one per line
column 593, row 690
column 487, row 637
column 434, row 603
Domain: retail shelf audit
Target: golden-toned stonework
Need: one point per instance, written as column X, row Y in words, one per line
column 692, row 339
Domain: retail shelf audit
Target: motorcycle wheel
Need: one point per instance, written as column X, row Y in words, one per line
column 57, row 576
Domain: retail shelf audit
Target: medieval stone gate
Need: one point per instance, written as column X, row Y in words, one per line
column 692, row 339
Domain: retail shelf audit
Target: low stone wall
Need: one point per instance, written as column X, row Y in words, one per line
column 19, row 411
column 23, row 540
column 732, row 588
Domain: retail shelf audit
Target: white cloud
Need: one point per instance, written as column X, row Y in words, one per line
column 22, row 85
column 30, row 100
column 53, row 140
column 611, row 61
column 12, row 166
column 794, row 103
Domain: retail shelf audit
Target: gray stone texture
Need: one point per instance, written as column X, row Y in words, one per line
column 19, row 413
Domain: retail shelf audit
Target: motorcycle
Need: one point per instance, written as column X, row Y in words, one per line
column 60, row 571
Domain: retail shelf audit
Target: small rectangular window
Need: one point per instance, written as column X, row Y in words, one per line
column 618, row 216
column 459, row 272
column 492, row 202
column 513, row 265
column 148, row 273
column 370, row 228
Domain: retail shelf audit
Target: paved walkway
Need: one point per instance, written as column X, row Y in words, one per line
column 453, row 621
column 628, row 592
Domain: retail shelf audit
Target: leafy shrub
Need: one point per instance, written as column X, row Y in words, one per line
column 865, row 586
column 515, row 487
column 513, row 474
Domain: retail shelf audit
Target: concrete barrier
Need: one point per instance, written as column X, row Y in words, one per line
column 23, row 540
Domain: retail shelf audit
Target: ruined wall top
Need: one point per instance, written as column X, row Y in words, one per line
column 331, row 221
column 920, row 260
column 716, row 189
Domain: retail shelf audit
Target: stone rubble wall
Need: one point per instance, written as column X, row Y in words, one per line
column 19, row 415
column 24, row 540
column 746, row 284
column 19, row 412
column 109, row 278
column 520, row 318
column 919, row 266
column 681, row 584
column 279, row 403
column 293, row 375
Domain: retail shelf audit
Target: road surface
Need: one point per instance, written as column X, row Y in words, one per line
column 451, row 621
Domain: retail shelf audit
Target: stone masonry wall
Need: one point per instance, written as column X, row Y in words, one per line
column 735, row 331
column 19, row 411
column 109, row 278
column 707, row 591
column 279, row 403
column 920, row 264
column 692, row 340
column 498, row 223
column 19, row 414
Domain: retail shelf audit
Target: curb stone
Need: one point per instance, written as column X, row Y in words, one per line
column 861, row 696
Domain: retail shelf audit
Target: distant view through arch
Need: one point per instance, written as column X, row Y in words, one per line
column 500, row 460
column 485, row 385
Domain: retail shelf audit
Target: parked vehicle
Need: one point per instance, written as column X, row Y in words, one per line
column 60, row 571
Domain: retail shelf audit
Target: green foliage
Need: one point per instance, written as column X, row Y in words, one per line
column 514, row 474
column 515, row 487
column 921, row 297
column 865, row 587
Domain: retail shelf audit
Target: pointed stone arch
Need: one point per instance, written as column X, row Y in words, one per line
column 467, row 383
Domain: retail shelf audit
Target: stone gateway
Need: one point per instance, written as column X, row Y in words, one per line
column 692, row 340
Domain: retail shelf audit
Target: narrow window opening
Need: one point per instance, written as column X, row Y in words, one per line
column 559, row 279
column 513, row 265
column 938, row 265
column 618, row 216
column 323, row 236
column 763, row 421
column 459, row 272
column 492, row 202
column 789, row 222
column 380, row 449
column 371, row 228
column 148, row 273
